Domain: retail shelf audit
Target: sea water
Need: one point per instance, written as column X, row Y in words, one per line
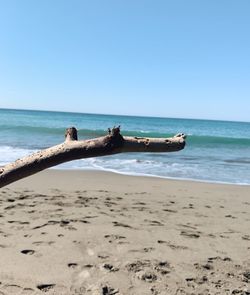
column 216, row 151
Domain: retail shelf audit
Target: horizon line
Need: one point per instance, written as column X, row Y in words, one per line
column 123, row 115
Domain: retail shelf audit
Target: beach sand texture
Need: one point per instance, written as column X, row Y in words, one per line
column 85, row 232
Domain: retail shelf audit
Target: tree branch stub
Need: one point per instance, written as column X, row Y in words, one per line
column 71, row 134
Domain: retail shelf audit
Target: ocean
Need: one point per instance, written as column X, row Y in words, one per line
column 216, row 151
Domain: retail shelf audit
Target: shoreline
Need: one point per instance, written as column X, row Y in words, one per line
column 94, row 232
column 58, row 174
column 148, row 175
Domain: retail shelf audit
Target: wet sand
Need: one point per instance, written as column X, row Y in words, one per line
column 75, row 232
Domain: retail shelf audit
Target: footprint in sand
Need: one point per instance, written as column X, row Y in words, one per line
column 103, row 255
column 154, row 222
column 45, row 287
column 149, row 270
column 43, row 243
column 115, row 238
column 10, row 200
column 147, row 276
column 190, row 234
column 110, row 267
column 88, row 265
column 72, row 265
column 172, row 246
column 27, row 252
column 246, row 237
column 107, row 290
column 121, row 224
column 230, row 216
column 144, row 250
column 170, row 211
column 140, row 203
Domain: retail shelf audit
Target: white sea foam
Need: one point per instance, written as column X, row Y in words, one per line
column 10, row 154
column 159, row 166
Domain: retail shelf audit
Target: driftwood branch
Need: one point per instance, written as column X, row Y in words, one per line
column 72, row 149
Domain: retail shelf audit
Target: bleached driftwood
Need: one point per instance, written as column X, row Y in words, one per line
column 72, row 149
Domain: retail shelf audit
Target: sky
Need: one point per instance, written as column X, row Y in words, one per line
column 168, row 58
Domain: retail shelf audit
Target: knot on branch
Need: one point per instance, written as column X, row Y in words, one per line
column 182, row 135
column 115, row 138
column 143, row 140
column 71, row 134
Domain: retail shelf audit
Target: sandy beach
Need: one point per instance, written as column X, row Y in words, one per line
column 85, row 232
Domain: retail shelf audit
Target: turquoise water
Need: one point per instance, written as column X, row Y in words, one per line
column 216, row 151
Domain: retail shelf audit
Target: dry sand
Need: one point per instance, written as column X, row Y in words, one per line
column 102, row 233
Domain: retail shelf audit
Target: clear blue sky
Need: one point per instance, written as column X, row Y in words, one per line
column 165, row 58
